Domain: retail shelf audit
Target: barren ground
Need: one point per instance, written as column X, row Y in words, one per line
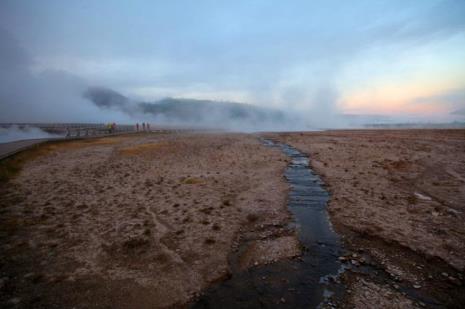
column 398, row 199
column 144, row 221
column 149, row 221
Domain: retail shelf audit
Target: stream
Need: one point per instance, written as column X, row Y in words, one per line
column 309, row 281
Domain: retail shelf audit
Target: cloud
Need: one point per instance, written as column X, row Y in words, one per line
column 12, row 56
column 454, row 99
column 460, row 112
column 277, row 55
column 46, row 96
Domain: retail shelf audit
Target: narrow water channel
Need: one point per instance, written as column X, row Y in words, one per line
column 296, row 283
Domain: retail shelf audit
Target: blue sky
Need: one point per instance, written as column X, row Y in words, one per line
column 396, row 58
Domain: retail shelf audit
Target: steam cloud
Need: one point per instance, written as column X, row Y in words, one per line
column 196, row 113
column 15, row 133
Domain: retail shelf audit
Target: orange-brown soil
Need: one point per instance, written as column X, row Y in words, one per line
column 398, row 199
column 143, row 221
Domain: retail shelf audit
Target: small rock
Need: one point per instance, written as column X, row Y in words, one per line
column 3, row 282
column 354, row 262
column 417, row 286
column 283, row 300
column 28, row 275
column 422, row 196
column 71, row 279
column 445, row 274
column 15, row 301
column 453, row 212
column 454, row 280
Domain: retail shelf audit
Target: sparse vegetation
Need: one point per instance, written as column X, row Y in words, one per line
column 210, row 241
column 9, row 167
column 252, row 218
column 141, row 148
column 145, row 216
column 412, row 199
column 191, row 181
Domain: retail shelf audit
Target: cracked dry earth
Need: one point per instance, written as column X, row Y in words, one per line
column 398, row 200
column 143, row 221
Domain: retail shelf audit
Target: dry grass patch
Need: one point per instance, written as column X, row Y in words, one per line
column 191, row 181
column 87, row 142
column 9, row 167
column 141, row 148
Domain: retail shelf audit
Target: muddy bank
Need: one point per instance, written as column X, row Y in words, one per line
column 398, row 198
column 145, row 221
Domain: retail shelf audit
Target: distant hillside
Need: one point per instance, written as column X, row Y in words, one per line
column 190, row 111
column 200, row 110
column 106, row 98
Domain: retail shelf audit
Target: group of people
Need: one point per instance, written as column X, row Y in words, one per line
column 145, row 127
column 111, row 128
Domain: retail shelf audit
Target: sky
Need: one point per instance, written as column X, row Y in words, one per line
column 404, row 60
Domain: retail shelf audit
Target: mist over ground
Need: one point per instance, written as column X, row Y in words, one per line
column 16, row 133
column 198, row 113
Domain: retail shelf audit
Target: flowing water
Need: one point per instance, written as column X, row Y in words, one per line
column 306, row 282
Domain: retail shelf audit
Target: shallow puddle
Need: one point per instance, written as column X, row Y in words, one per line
column 305, row 282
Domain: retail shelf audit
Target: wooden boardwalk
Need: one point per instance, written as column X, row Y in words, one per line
column 11, row 148
column 63, row 131
column 74, row 132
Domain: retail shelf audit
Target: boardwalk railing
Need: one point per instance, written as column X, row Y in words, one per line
column 74, row 129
